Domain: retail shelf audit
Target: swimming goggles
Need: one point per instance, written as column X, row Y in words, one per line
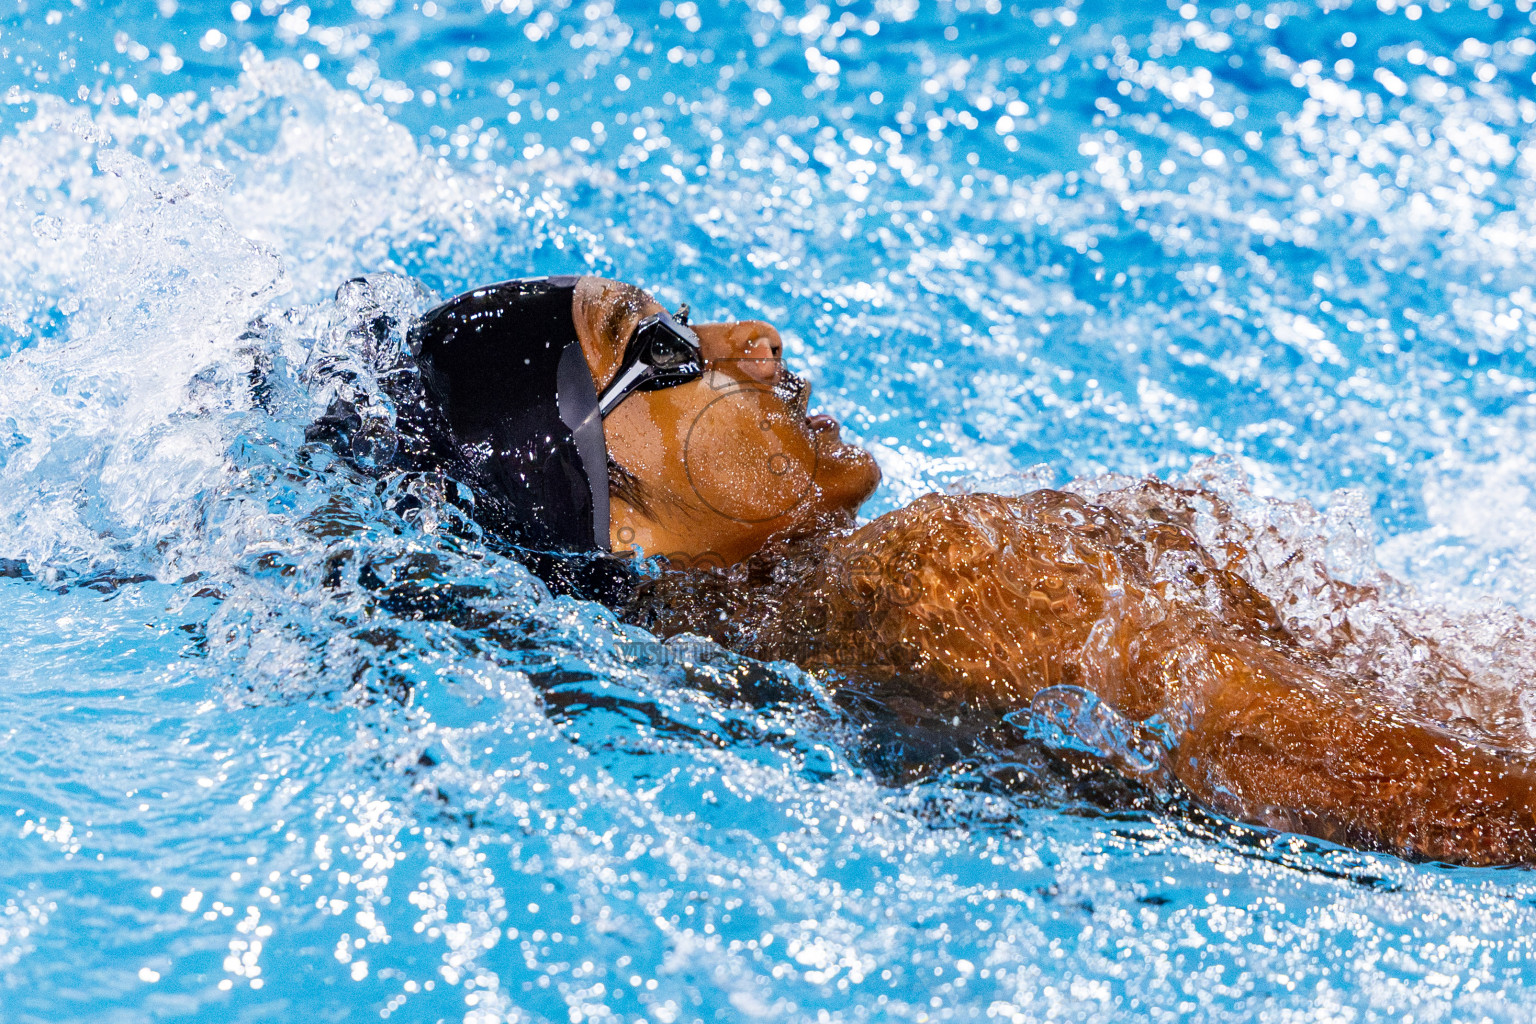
column 663, row 352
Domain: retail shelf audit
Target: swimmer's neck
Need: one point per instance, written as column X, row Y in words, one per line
column 685, row 541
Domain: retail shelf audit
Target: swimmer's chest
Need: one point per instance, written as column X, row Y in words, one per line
column 972, row 593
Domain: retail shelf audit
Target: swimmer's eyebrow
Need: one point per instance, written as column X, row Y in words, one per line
column 623, row 310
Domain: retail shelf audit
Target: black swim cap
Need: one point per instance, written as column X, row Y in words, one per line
column 514, row 412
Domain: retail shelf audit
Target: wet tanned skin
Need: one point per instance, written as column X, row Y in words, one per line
column 995, row 598
column 727, row 461
column 985, row 600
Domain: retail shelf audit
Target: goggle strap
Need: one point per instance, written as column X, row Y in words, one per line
column 630, row 378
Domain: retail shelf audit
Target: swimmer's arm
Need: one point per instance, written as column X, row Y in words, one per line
column 1267, row 742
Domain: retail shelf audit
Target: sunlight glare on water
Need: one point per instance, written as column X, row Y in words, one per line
column 1280, row 251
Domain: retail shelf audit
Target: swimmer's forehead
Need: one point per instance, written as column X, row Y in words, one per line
column 606, row 313
column 611, row 309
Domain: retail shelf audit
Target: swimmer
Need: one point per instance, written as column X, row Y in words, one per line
column 591, row 423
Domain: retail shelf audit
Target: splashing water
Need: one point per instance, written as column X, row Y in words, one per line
column 1273, row 252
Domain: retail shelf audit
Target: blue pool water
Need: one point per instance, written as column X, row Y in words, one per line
column 1280, row 250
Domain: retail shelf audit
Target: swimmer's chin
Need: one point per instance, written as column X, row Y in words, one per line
column 847, row 474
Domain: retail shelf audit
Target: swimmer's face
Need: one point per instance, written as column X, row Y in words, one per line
column 724, row 462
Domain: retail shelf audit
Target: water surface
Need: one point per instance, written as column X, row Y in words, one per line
column 1010, row 245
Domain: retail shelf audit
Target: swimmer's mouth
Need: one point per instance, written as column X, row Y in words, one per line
column 797, row 394
column 820, row 422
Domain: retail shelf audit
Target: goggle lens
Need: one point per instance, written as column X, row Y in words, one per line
column 661, row 353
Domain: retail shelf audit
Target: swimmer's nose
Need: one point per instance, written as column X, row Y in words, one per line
column 750, row 347
column 763, row 357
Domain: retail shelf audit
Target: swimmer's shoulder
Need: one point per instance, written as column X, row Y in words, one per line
column 979, row 591
column 953, row 556
column 976, row 529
